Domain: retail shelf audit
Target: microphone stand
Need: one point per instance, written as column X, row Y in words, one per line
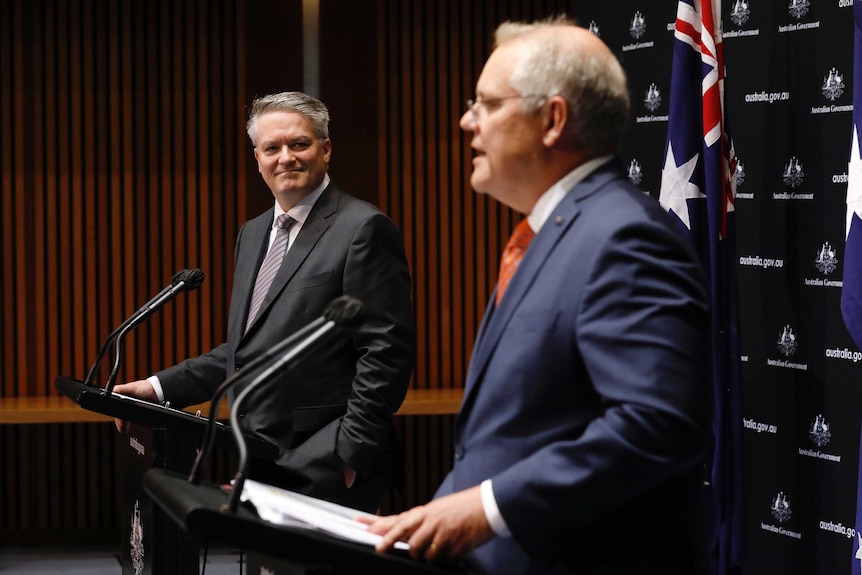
column 134, row 322
column 118, row 352
column 286, row 359
column 209, row 433
column 344, row 311
column 92, row 373
column 185, row 280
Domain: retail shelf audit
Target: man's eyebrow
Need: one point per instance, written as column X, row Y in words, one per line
column 289, row 140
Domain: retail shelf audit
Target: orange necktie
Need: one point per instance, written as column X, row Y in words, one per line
column 518, row 244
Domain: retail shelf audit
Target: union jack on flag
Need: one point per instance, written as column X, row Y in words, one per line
column 697, row 186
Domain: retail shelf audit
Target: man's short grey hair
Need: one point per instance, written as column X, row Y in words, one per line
column 298, row 102
column 593, row 84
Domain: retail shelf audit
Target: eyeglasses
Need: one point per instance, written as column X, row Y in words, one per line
column 473, row 104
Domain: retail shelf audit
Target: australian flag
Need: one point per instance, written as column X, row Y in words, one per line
column 851, row 293
column 856, row 568
column 697, row 187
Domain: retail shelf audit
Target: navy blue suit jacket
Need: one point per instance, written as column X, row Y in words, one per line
column 587, row 398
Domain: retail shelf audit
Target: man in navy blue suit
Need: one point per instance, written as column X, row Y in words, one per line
column 580, row 441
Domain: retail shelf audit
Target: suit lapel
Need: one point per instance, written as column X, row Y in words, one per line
column 315, row 225
column 553, row 230
column 497, row 318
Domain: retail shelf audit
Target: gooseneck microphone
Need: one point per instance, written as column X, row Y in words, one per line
column 92, row 373
column 182, row 280
column 180, row 276
column 341, row 315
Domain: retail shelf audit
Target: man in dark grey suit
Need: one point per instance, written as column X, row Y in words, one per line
column 332, row 415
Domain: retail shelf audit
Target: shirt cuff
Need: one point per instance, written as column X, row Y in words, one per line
column 157, row 387
column 492, row 512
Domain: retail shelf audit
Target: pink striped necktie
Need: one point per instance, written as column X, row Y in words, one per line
column 269, row 267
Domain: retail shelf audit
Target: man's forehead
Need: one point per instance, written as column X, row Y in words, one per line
column 283, row 117
column 497, row 71
column 280, row 124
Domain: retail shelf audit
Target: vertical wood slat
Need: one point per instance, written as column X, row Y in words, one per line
column 90, row 193
column 119, row 152
column 106, row 162
column 447, row 126
column 6, row 173
column 39, row 204
column 18, row 261
column 202, row 228
column 103, row 153
column 64, row 169
column 73, row 227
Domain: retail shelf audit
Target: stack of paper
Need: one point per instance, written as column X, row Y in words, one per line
column 284, row 507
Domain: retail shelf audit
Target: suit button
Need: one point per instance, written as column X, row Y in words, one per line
column 242, row 414
column 459, row 452
column 237, row 365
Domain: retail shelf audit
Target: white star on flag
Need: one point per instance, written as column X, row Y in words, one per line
column 676, row 186
column 859, row 551
column 854, row 184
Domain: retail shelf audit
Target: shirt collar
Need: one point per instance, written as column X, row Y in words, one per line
column 549, row 200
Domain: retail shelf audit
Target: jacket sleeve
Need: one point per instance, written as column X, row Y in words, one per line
column 376, row 272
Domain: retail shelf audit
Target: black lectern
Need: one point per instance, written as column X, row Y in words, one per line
column 200, row 510
column 160, row 438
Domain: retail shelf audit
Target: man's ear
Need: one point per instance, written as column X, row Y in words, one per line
column 327, row 150
column 556, row 115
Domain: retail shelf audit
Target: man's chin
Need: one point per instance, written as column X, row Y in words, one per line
column 293, row 186
column 479, row 183
column 291, row 194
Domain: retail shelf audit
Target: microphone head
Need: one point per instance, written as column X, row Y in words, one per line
column 191, row 279
column 178, row 277
column 345, row 311
column 194, row 278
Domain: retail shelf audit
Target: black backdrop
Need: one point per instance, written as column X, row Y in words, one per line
column 789, row 112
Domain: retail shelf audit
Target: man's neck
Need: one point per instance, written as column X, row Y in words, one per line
column 290, row 199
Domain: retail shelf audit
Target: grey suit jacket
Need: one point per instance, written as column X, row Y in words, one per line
column 337, row 405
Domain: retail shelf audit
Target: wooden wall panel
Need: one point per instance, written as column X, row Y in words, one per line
column 123, row 159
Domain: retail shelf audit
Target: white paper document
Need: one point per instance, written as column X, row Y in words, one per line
column 284, row 507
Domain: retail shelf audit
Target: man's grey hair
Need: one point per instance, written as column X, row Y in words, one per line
column 298, row 102
column 592, row 83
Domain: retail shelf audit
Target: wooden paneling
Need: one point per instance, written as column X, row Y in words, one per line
column 123, row 160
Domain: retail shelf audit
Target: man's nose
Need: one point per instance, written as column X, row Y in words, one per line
column 467, row 123
column 286, row 155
